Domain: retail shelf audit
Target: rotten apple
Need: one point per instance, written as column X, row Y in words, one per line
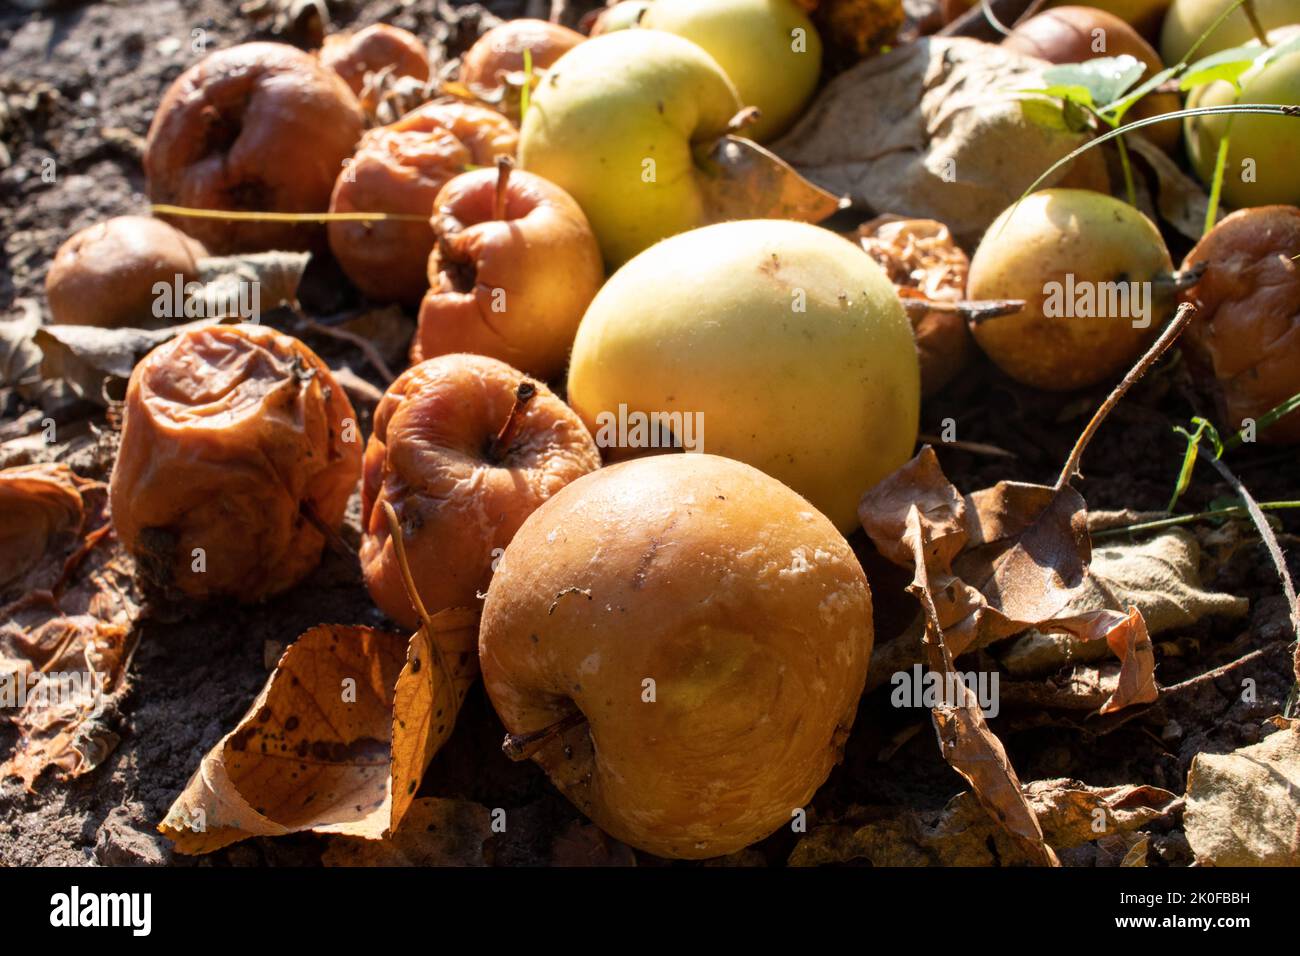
column 464, row 448
column 514, row 267
column 368, row 52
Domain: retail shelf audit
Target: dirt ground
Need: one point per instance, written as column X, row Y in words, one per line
column 81, row 82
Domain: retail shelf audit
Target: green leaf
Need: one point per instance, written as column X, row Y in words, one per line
column 1115, row 111
column 1105, row 78
column 1224, row 65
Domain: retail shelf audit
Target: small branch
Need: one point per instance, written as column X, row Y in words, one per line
column 522, row 746
column 1160, row 524
column 1171, row 332
column 335, row 540
column 408, row 581
column 972, row 310
column 365, row 346
column 1248, row 8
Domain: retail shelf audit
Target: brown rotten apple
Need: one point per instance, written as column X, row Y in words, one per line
column 237, row 445
column 399, row 168
column 464, row 448
column 514, row 267
column 259, row 127
column 501, row 50
column 354, row 56
column 105, row 274
column 683, row 639
column 1246, row 335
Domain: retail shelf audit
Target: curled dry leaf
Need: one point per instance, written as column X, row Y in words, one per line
column 20, row 358
column 924, row 263
column 66, row 624
column 433, row 832
column 1242, row 806
column 338, row 739
column 742, row 180
column 1002, row 560
column 1070, row 813
column 1159, row 576
column 938, row 129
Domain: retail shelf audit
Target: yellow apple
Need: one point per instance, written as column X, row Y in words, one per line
column 777, row 343
column 613, row 124
column 1263, row 151
column 769, row 49
column 1188, row 19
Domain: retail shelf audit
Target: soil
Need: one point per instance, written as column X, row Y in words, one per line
column 81, row 81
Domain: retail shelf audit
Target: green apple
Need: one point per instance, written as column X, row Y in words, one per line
column 777, row 343
column 769, row 48
column 613, row 124
column 1188, row 19
column 1263, row 151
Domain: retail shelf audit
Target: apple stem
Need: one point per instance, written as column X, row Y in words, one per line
column 522, row 746
column 500, row 444
column 746, row 117
column 504, row 165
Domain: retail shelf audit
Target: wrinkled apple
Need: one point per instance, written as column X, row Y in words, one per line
column 238, row 448
column 684, row 639
column 357, row 56
column 464, row 448
column 514, row 267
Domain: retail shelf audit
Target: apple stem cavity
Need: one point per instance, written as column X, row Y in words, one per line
column 522, row 746
column 504, row 165
column 500, row 444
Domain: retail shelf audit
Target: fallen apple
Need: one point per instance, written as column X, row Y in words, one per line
column 1263, row 151
column 106, row 274
column 1144, row 16
column 513, row 268
column 623, row 15
column 768, row 48
column 1187, row 20
column 784, row 340
column 399, row 168
column 501, row 50
column 355, row 56
column 1245, row 339
column 680, row 642
column 1072, row 34
column 464, row 448
column 259, row 127
column 614, row 123
column 239, row 452
column 1084, row 262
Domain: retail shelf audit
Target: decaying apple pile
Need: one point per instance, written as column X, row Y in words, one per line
column 682, row 279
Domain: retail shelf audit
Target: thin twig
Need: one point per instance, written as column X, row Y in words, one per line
column 1166, row 339
column 366, row 347
column 972, row 310
column 522, row 746
column 1159, row 524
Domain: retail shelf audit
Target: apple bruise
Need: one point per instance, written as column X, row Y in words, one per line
column 460, row 477
column 746, row 609
column 257, row 127
column 230, row 434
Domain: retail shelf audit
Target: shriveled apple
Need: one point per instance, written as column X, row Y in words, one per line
column 1246, row 336
column 105, row 274
column 259, row 127
column 1093, row 272
column 501, row 50
column 464, row 448
column 377, row 48
column 239, row 451
column 680, row 642
column 514, row 267
column 399, row 168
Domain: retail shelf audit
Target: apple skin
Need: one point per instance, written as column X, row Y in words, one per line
column 1273, row 142
column 501, row 50
column 1066, row 35
column 1093, row 236
column 105, row 274
column 747, row 609
column 826, row 399
column 612, row 124
column 752, row 40
column 624, row 15
column 534, row 273
column 380, row 46
column 1144, row 16
column 1188, row 19
column 427, row 457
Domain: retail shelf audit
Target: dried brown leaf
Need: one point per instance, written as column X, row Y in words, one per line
column 338, row 739
column 433, row 832
column 742, row 180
